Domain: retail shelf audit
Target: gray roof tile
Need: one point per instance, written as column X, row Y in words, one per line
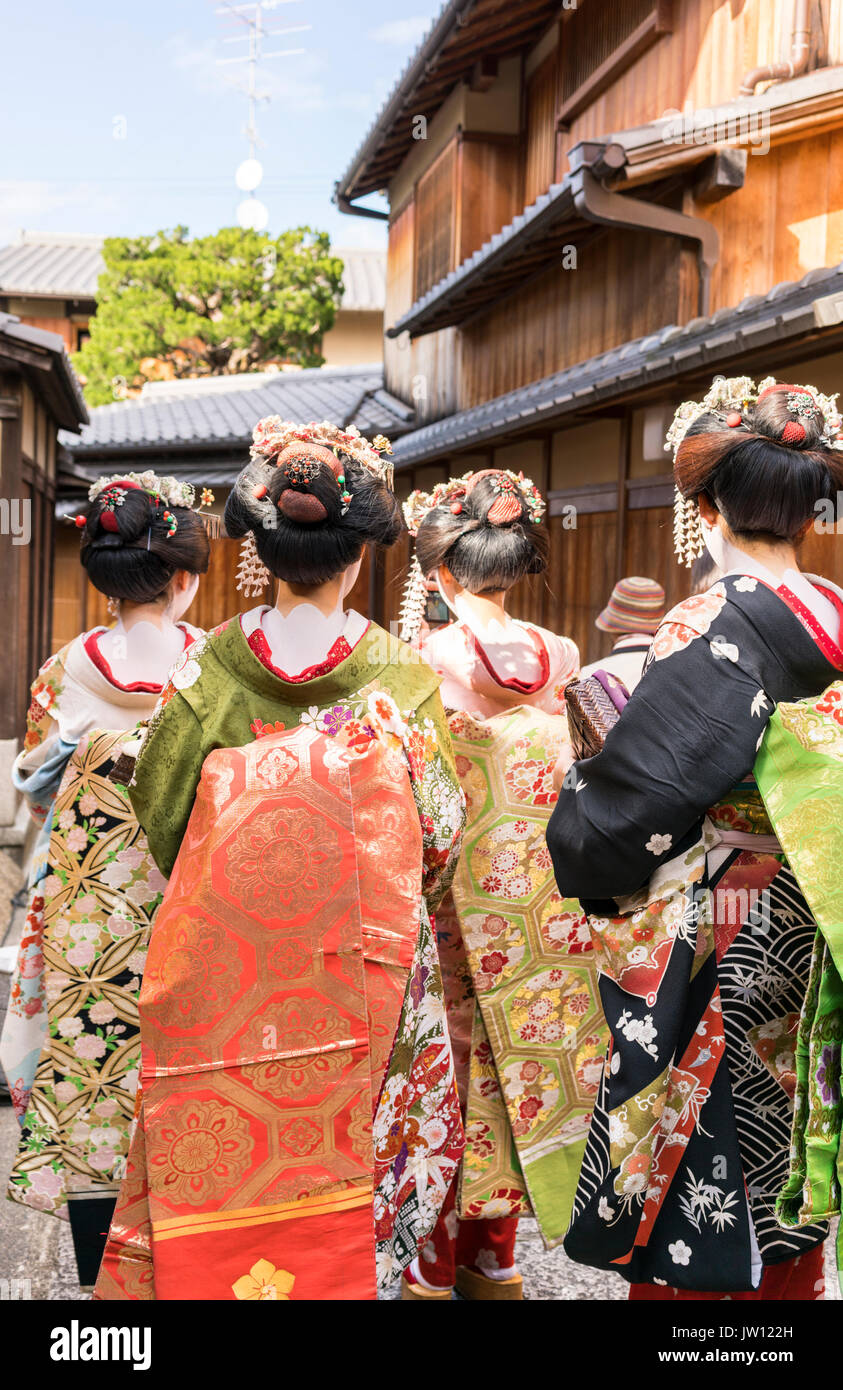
column 222, row 411
column 783, row 313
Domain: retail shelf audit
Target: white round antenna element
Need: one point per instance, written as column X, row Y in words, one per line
column 252, row 215
column 249, row 175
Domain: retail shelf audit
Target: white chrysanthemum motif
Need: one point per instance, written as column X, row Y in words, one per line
column 185, row 674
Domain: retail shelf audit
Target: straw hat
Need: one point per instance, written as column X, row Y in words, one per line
column 635, row 605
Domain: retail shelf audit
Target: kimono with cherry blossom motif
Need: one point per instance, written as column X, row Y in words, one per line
column 703, row 938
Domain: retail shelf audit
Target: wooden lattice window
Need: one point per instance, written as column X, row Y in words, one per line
column 601, row 38
column 434, row 219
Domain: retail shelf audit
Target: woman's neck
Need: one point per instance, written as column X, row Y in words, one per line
column 777, row 559
column 156, row 613
column 481, row 612
column 325, row 598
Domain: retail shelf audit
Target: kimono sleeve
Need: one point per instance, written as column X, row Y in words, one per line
column 39, row 766
column 166, row 776
column 687, row 737
column 438, row 795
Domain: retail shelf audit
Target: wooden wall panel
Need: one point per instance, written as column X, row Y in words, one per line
column 580, row 561
column 624, row 285
column 701, row 63
column 540, row 135
column 489, row 194
column 648, row 551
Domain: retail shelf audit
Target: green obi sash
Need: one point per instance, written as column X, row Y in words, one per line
column 799, row 771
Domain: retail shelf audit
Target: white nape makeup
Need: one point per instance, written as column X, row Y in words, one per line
column 513, row 651
column 143, row 651
column 302, row 629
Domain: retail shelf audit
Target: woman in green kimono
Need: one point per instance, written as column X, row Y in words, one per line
column 235, row 975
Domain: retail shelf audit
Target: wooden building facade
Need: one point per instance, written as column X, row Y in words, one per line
column 39, row 395
column 593, row 209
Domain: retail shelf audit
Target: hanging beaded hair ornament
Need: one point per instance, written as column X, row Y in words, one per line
column 732, row 397
column 301, row 451
column 513, row 490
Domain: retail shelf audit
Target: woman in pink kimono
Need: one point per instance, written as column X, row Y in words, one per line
column 477, row 536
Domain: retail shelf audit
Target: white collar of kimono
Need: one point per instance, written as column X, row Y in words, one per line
column 732, row 560
column 142, row 652
column 83, row 672
column 305, row 636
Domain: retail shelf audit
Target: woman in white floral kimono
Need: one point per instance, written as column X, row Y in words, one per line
column 69, row 1045
column 703, row 934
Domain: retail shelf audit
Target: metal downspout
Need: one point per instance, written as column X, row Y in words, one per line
column 595, row 203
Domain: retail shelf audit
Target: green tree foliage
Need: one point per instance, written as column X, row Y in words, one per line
column 208, row 306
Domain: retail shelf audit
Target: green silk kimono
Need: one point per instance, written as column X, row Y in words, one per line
column 800, row 774
column 222, row 696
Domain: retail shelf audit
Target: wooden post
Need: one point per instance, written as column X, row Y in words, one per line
column 622, row 504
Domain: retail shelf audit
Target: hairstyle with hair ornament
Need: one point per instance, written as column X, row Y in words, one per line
column 765, row 456
column 306, row 503
column 484, row 527
column 138, row 530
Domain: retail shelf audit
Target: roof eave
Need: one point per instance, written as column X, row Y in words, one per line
column 788, row 312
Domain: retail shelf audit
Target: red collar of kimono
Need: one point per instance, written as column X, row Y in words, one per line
column 522, row 687
column 136, row 687
column 340, row 651
column 829, row 648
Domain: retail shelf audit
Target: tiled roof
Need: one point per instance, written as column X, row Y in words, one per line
column 220, row 412
column 58, row 385
column 364, row 278
column 65, row 266
column 730, row 335
column 462, row 31
column 68, row 267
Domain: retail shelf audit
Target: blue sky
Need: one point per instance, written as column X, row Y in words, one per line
column 73, row 73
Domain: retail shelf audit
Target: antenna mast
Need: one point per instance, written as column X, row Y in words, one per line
column 252, row 213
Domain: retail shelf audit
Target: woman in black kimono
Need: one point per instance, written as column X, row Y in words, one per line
column 703, row 934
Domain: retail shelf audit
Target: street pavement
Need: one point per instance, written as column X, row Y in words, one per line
column 36, row 1253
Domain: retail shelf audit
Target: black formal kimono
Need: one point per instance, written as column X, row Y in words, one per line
column 704, row 943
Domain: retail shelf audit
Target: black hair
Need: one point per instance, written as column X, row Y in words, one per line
column 483, row 557
column 764, row 474
column 302, row 534
column 138, row 560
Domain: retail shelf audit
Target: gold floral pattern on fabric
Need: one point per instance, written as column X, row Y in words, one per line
column 192, row 973
column 205, row 1148
column 278, row 856
column 742, row 810
column 538, row 1037
column 817, row 724
column 329, row 999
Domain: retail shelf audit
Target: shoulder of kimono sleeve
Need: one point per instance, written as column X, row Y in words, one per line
column 404, row 673
column 166, row 775
column 688, row 735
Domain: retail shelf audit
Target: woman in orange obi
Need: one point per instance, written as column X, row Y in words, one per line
column 521, row 1013
column 299, row 1126
column 70, row 1045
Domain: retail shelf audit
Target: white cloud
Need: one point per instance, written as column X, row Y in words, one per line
column 401, row 31
column 43, row 206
